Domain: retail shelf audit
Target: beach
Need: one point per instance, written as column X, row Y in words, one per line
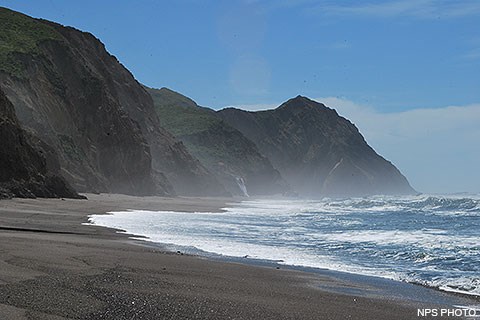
column 53, row 266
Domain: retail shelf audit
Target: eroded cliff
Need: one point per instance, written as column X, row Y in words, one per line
column 317, row 151
column 77, row 98
column 23, row 168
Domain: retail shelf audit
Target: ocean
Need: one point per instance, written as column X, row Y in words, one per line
column 431, row 240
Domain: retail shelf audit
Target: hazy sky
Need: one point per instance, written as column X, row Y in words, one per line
column 407, row 72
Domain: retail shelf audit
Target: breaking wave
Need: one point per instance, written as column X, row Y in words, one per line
column 430, row 239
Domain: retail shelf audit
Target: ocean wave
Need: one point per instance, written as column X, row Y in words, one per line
column 463, row 285
column 418, row 203
column 430, row 239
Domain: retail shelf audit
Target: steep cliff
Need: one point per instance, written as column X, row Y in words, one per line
column 318, row 152
column 224, row 150
column 71, row 93
column 23, row 169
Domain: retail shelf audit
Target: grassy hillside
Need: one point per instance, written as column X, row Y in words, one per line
column 224, row 150
column 187, row 121
column 20, row 34
column 181, row 115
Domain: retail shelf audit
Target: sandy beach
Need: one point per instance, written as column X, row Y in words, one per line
column 53, row 267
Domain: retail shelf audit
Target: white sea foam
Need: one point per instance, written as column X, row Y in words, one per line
column 398, row 238
column 423, row 238
column 143, row 223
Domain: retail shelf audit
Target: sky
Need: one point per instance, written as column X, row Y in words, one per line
column 406, row 72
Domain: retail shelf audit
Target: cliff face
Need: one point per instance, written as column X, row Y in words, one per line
column 72, row 94
column 224, row 150
column 318, row 152
column 91, row 122
column 23, row 169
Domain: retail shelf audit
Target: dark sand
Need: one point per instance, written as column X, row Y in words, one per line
column 53, row 267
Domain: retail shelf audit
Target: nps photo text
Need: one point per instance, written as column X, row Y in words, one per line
column 449, row 312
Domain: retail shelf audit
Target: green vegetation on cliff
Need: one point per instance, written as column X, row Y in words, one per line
column 20, row 34
column 187, row 121
column 181, row 115
column 224, row 150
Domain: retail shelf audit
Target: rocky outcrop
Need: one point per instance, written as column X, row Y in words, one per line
column 222, row 149
column 23, row 169
column 77, row 98
column 318, row 152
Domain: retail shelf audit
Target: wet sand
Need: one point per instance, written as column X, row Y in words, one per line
column 53, row 267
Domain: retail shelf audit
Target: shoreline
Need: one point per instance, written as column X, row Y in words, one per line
column 53, row 267
column 342, row 273
column 422, row 293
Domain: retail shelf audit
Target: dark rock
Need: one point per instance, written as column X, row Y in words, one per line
column 317, row 151
column 23, row 170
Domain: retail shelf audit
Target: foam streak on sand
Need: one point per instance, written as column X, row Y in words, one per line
column 429, row 240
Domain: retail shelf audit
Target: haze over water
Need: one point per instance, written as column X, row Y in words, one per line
column 430, row 240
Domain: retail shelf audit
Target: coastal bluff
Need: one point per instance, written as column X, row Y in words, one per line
column 318, row 152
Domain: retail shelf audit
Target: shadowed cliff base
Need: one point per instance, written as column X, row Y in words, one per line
column 23, row 169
